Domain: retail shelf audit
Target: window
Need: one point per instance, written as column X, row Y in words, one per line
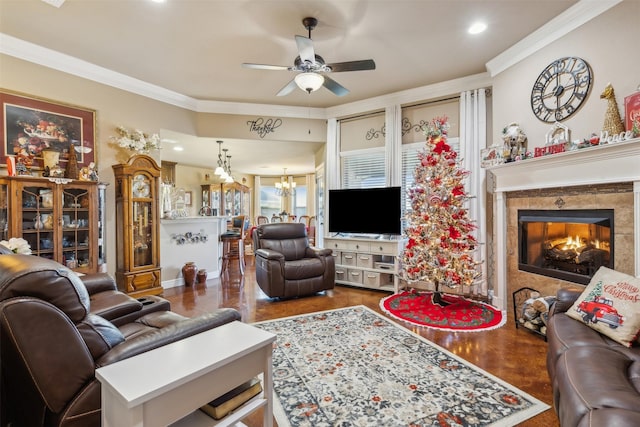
column 270, row 201
column 363, row 168
column 300, row 201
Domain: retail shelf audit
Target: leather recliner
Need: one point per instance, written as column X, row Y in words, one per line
column 51, row 342
column 286, row 266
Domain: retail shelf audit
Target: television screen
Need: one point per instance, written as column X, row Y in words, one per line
column 365, row 211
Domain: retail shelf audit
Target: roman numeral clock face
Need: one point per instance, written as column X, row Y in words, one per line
column 561, row 89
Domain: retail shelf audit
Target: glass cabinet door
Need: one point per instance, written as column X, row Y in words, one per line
column 211, row 199
column 38, row 225
column 142, row 233
column 228, row 202
column 76, row 227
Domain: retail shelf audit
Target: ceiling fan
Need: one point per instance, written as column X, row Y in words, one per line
column 309, row 66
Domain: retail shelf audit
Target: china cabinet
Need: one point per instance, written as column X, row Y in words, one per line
column 233, row 199
column 138, row 226
column 211, row 197
column 58, row 218
column 228, row 199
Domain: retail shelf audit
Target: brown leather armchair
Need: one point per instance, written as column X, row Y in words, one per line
column 51, row 342
column 286, row 266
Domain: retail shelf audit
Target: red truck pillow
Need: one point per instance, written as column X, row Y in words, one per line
column 610, row 304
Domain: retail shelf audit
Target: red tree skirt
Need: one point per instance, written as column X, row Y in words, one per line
column 461, row 315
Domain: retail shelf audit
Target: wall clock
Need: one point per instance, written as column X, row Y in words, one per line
column 561, row 88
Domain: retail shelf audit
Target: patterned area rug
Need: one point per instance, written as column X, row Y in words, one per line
column 460, row 315
column 355, row 367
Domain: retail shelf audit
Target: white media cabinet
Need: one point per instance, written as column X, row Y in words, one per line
column 366, row 262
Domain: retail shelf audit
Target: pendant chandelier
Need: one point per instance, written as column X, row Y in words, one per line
column 286, row 186
column 224, row 166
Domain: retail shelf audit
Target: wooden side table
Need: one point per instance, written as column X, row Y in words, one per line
column 170, row 383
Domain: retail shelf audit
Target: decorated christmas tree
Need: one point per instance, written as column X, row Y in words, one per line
column 439, row 232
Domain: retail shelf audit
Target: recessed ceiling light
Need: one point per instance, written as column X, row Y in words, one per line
column 178, row 148
column 477, row 28
column 158, row 1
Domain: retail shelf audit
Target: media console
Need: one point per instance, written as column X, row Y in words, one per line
column 366, row 262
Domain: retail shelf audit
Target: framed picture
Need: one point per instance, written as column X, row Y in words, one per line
column 187, row 198
column 491, row 156
column 31, row 125
column 632, row 113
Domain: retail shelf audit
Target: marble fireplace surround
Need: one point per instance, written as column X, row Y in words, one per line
column 602, row 177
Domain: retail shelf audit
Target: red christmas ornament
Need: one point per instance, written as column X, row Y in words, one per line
column 441, row 147
column 453, row 233
column 458, row 191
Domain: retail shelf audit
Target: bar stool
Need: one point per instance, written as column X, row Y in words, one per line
column 233, row 244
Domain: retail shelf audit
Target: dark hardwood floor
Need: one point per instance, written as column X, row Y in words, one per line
column 515, row 356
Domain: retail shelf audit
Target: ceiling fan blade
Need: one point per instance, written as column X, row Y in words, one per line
column 334, row 86
column 265, row 67
column 305, row 49
column 365, row 64
column 288, row 88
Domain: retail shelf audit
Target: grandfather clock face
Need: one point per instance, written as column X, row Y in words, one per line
column 140, row 186
column 560, row 89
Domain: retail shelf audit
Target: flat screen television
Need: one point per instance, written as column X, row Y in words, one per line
column 365, row 211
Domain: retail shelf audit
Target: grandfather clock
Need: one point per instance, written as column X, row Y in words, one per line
column 138, row 226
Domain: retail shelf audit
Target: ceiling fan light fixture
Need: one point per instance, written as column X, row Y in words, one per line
column 309, row 81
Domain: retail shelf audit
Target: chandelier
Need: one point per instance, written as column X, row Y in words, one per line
column 224, row 166
column 286, row 186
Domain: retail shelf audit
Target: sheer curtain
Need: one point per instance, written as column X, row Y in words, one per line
column 473, row 138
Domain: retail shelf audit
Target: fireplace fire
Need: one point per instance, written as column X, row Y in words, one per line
column 568, row 244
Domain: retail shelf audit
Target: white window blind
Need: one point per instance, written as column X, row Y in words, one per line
column 363, row 168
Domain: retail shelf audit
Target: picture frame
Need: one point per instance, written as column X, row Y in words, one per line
column 491, row 156
column 187, row 198
column 29, row 125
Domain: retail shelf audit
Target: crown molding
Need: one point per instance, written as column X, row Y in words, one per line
column 409, row 96
column 561, row 25
column 68, row 64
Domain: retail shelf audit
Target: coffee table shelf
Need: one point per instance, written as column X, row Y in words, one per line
column 200, row 419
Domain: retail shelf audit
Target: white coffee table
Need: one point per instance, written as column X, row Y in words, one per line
column 170, row 383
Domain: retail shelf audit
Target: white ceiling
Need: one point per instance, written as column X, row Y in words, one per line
column 195, row 47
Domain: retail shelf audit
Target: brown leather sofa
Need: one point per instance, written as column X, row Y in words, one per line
column 595, row 380
column 286, row 266
column 53, row 337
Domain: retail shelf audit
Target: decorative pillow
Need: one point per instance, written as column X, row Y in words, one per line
column 610, row 304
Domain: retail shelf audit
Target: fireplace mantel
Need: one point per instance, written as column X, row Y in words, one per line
column 608, row 163
column 604, row 164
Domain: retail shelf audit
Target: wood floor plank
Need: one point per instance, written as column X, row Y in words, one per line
column 513, row 355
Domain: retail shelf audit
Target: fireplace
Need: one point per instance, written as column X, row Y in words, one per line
column 566, row 244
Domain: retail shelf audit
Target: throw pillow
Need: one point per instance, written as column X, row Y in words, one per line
column 610, row 304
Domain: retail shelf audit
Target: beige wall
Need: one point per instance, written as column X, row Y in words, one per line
column 240, row 127
column 608, row 43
